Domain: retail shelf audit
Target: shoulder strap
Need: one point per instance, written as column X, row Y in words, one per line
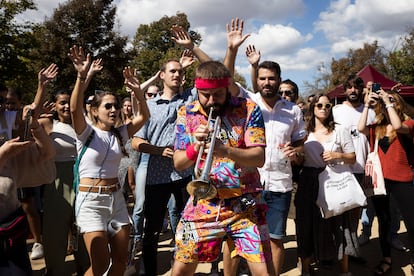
column 77, row 162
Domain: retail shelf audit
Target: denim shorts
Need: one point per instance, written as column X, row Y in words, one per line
column 101, row 212
column 276, row 216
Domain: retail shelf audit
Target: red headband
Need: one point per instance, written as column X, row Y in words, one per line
column 211, row 83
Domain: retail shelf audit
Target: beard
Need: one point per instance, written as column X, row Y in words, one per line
column 219, row 109
column 354, row 97
column 271, row 93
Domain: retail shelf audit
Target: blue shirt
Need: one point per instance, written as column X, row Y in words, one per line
column 160, row 131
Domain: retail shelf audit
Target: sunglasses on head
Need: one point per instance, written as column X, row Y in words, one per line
column 286, row 92
column 108, row 106
column 88, row 101
column 320, row 105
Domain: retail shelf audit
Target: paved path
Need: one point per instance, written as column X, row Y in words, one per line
column 371, row 251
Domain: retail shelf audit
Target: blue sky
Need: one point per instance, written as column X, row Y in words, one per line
column 297, row 34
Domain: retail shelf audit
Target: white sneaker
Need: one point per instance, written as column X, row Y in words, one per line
column 37, row 251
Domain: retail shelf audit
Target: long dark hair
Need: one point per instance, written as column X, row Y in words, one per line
column 310, row 115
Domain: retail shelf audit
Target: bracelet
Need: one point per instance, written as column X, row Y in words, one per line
column 389, row 105
column 191, row 153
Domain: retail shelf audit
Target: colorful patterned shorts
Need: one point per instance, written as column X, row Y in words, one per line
column 203, row 227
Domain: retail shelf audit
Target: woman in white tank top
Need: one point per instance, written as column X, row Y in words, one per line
column 59, row 197
column 100, row 208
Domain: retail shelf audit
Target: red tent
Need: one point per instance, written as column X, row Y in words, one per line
column 369, row 73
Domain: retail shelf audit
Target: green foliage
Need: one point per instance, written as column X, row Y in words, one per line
column 356, row 60
column 153, row 46
column 90, row 24
column 16, row 41
column 240, row 79
column 401, row 62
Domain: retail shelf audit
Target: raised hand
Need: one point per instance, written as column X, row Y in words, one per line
column 131, row 81
column 253, row 56
column 96, row 66
column 235, row 36
column 187, row 58
column 81, row 62
column 47, row 109
column 45, row 76
column 181, row 37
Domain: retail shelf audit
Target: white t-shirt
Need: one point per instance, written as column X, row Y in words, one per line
column 284, row 123
column 348, row 117
column 103, row 155
column 64, row 140
column 339, row 141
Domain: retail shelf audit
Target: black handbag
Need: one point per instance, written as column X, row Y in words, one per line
column 14, row 230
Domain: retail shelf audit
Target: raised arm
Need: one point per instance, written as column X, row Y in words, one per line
column 139, row 120
column 144, row 86
column 45, row 76
column 82, row 63
column 253, row 57
column 235, row 38
column 96, row 67
column 394, row 118
column 187, row 58
column 181, row 37
column 370, row 99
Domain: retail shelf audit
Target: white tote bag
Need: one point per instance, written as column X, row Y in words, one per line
column 339, row 191
column 374, row 180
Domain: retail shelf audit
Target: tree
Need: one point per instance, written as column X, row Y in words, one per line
column 356, row 60
column 401, row 62
column 153, row 46
column 322, row 81
column 16, row 41
column 90, row 24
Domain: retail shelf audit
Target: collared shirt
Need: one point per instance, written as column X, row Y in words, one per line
column 241, row 127
column 284, row 123
column 159, row 131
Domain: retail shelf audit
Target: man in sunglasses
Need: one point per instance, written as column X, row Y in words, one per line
column 289, row 90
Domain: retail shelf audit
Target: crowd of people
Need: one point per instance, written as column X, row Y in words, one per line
column 93, row 153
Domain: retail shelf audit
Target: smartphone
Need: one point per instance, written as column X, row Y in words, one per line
column 27, row 118
column 375, row 87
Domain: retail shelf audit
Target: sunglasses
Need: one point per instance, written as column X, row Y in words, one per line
column 286, row 92
column 108, row 106
column 327, row 106
column 88, row 101
column 151, row 95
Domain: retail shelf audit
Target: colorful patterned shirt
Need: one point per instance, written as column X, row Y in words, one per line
column 241, row 126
